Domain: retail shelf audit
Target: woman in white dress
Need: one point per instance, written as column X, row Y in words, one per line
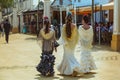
column 86, row 38
column 69, row 39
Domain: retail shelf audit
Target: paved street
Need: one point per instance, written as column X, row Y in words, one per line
column 19, row 58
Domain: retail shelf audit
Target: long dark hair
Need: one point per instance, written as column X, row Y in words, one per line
column 68, row 25
column 86, row 18
column 46, row 24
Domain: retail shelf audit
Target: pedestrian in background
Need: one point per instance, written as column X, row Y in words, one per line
column 1, row 29
column 7, row 28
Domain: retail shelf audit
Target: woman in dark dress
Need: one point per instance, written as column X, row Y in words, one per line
column 46, row 41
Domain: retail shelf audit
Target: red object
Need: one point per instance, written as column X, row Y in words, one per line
column 45, row 18
column 85, row 15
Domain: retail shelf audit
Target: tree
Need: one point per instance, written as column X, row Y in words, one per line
column 5, row 4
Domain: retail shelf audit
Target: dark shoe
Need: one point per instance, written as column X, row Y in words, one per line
column 74, row 74
column 87, row 73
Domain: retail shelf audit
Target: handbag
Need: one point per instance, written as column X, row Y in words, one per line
column 56, row 44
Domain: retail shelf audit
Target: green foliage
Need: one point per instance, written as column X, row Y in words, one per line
column 6, row 3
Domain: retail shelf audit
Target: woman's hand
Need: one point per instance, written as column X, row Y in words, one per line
column 55, row 49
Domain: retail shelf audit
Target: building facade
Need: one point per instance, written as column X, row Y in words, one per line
column 15, row 14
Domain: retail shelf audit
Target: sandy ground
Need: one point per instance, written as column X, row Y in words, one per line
column 19, row 58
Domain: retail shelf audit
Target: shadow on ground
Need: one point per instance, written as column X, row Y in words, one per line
column 40, row 77
column 101, row 47
column 64, row 77
column 31, row 38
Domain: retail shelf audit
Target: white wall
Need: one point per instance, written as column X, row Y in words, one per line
column 15, row 19
column 20, row 7
column 28, row 4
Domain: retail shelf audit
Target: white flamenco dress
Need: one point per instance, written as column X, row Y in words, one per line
column 69, row 63
column 86, row 59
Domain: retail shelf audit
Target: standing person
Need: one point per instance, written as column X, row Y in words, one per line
column 0, row 30
column 24, row 30
column 40, row 26
column 46, row 41
column 69, row 39
column 110, row 32
column 55, row 24
column 86, row 39
column 111, row 27
column 33, row 22
column 7, row 30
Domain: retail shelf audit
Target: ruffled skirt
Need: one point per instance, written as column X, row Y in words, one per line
column 69, row 63
column 86, row 61
column 46, row 65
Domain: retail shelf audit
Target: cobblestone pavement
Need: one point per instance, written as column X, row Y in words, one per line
column 19, row 58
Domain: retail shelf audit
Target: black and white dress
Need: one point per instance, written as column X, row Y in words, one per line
column 46, row 65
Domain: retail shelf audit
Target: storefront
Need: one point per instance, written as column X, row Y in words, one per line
column 30, row 20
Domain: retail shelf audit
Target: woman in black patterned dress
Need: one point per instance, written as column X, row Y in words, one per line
column 46, row 41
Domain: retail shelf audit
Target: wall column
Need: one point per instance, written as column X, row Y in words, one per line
column 15, row 21
column 21, row 22
column 115, row 43
column 47, row 8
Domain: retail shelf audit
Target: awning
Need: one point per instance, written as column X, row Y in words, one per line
column 9, row 15
column 84, row 3
column 21, row 11
column 108, row 6
column 86, row 10
column 64, row 3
